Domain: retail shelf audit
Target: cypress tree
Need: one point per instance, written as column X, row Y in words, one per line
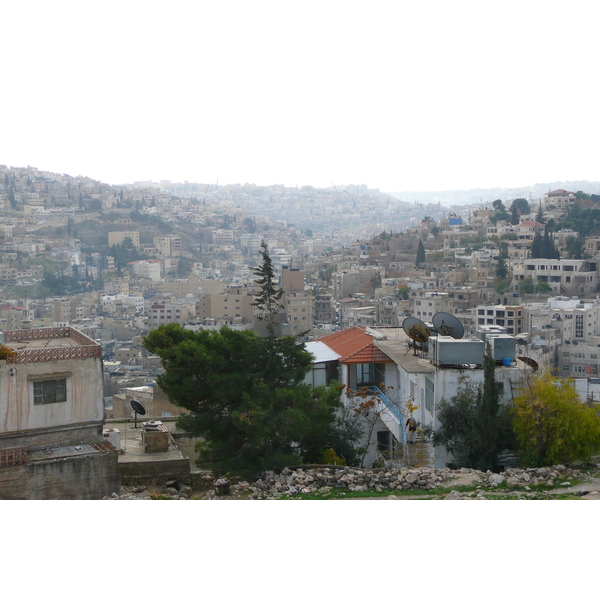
column 268, row 300
column 540, row 216
column 537, row 245
column 501, row 268
column 420, row 254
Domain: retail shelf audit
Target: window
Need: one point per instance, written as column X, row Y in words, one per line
column 578, row 326
column 365, row 374
column 429, row 394
column 49, row 391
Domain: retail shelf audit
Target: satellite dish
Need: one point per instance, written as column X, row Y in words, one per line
column 448, row 324
column 416, row 330
column 529, row 361
column 138, row 409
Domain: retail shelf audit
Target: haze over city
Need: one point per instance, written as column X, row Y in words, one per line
column 396, row 96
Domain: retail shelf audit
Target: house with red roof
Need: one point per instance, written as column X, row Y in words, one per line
column 352, row 357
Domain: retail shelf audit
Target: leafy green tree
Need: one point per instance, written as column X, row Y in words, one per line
column 521, row 205
column 574, row 246
column 268, row 300
column 420, row 254
column 474, row 426
column 542, row 287
column 402, row 292
column 552, row 425
column 327, row 273
column 501, row 286
column 247, row 399
column 498, row 206
column 526, row 286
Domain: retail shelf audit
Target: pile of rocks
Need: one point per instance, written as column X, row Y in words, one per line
column 529, row 477
column 323, row 479
column 291, row 482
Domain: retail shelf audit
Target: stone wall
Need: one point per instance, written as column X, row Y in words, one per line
column 87, row 477
column 155, row 472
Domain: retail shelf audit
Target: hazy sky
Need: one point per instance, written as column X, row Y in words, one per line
column 401, row 95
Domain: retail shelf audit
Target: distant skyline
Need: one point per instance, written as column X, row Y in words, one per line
column 400, row 96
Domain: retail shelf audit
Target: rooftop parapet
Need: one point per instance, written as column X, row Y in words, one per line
column 48, row 344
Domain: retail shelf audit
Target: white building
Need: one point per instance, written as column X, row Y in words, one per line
column 150, row 269
column 564, row 276
column 380, row 360
column 52, row 416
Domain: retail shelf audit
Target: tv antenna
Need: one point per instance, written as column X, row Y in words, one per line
column 138, row 409
column 417, row 331
column 449, row 325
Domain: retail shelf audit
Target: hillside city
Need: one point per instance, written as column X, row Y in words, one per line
column 111, row 263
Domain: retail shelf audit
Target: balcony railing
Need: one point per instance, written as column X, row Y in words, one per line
column 391, row 407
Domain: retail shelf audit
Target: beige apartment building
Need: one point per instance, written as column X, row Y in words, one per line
column 560, row 199
column 172, row 312
column 299, row 308
column 168, row 245
column 231, row 304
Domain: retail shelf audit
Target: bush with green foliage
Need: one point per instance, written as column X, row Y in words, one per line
column 474, row 426
column 526, row 286
column 553, row 425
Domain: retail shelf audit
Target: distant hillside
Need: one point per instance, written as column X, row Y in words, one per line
column 477, row 195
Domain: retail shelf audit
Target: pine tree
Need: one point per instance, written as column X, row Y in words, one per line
column 420, row 254
column 549, row 250
column 11, row 198
column 540, row 216
column 537, row 245
column 268, row 300
column 514, row 215
column 501, row 268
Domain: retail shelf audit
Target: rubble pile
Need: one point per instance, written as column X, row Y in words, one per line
column 530, row 477
column 323, row 479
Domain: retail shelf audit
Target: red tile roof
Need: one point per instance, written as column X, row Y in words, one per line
column 355, row 346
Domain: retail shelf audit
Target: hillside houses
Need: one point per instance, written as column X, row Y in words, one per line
column 345, row 258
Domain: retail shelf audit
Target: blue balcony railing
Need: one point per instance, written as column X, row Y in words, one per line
column 375, row 391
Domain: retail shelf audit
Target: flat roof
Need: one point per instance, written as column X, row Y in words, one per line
column 396, row 347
